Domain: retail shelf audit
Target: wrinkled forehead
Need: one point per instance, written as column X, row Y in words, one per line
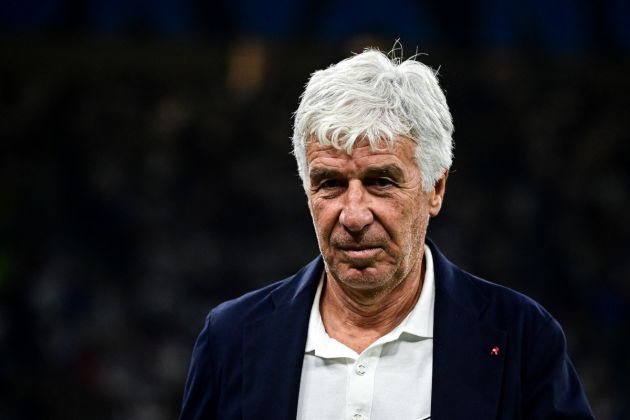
column 401, row 150
column 399, row 144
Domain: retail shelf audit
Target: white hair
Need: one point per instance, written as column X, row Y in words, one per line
column 372, row 96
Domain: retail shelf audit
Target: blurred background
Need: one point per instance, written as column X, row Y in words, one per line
column 146, row 176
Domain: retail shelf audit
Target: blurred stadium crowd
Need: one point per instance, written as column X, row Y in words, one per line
column 558, row 26
column 145, row 176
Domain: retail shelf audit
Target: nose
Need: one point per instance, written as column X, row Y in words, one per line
column 355, row 214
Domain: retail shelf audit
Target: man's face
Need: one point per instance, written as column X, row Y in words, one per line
column 370, row 213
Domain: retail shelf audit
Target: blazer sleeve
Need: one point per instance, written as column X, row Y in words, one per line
column 552, row 389
column 200, row 394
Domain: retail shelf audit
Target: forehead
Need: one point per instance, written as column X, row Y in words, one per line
column 401, row 153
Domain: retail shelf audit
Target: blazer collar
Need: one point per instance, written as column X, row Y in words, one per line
column 273, row 348
column 467, row 373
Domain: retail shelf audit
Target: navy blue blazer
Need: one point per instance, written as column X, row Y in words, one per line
column 496, row 354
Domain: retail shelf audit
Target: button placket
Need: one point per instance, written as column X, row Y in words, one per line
column 361, row 375
column 360, row 369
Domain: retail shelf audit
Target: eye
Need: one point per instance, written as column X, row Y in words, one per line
column 330, row 184
column 330, row 188
column 379, row 182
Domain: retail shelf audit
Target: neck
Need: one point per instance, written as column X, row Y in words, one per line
column 357, row 319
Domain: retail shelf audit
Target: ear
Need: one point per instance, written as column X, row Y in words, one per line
column 436, row 197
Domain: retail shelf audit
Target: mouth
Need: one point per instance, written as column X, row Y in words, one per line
column 361, row 253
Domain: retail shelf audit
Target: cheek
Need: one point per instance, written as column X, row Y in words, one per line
column 323, row 218
column 405, row 213
column 410, row 222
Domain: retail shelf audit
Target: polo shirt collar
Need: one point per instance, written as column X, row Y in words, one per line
column 418, row 323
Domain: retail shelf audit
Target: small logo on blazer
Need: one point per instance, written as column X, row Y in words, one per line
column 495, row 351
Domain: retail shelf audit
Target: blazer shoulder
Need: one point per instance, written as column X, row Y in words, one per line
column 238, row 310
column 494, row 304
column 257, row 303
column 507, row 308
column 509, row 297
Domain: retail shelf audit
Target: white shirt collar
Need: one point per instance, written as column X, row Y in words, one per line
column 418, row 323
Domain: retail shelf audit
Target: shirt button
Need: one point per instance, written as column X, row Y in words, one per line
column 357, row 417
column 360, row 369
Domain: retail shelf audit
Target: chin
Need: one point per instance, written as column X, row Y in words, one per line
column 363, row 278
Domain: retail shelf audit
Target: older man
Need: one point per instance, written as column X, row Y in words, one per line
column 380, row 326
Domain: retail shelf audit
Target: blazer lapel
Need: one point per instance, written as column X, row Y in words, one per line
column 273, row 351
column 468, row 355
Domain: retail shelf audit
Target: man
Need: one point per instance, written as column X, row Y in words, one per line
column 381, row 325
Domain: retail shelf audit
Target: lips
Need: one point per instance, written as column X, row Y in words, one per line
column 361, row 252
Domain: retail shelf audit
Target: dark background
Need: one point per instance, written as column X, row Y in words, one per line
column 146, row 175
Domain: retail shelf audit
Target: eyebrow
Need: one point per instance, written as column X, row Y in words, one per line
column 319, row 174
column 387, row 171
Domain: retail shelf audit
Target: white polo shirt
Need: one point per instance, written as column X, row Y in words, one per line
column 391, row 379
